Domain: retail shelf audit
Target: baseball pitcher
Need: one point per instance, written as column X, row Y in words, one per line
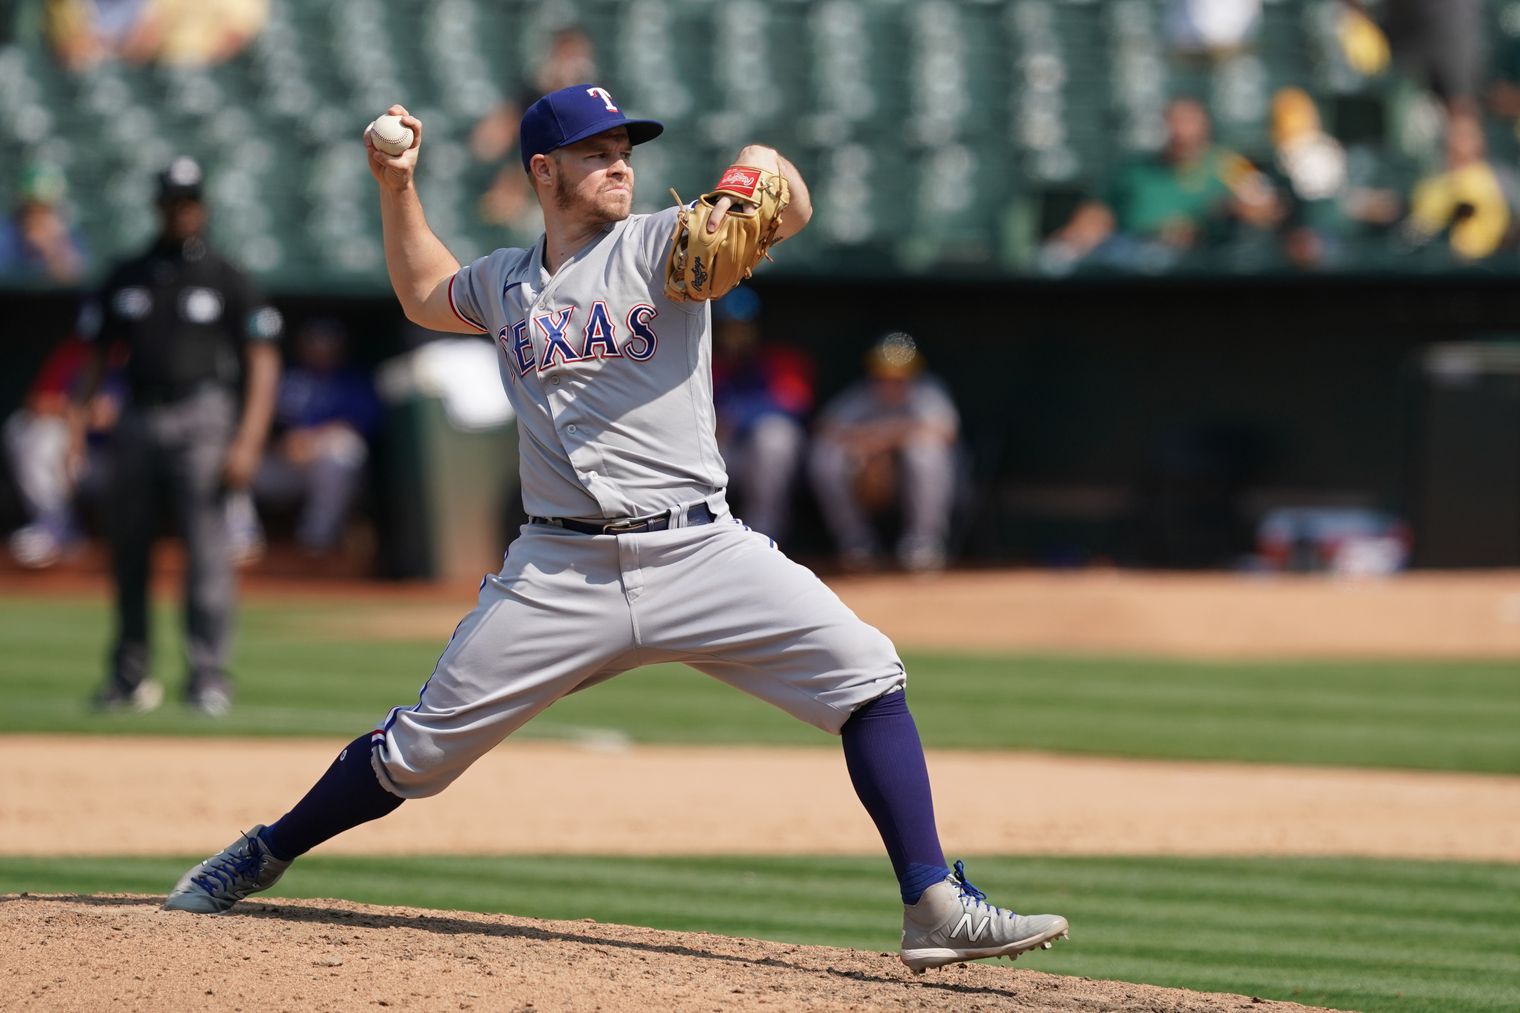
column 630, row 555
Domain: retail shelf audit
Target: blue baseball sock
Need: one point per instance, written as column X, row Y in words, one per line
column 347, row 795
column 886, row 764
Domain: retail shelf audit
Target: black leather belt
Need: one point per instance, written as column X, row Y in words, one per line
column 696, row 514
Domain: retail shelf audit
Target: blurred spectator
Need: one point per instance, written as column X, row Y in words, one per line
column 509, row 200
column 1503, row 96
column 172, row 32
column 36, row 243
column 893, row 432
column 763, row 392
column 1160, row 206
column 325, row 414
column 86, row 32
column 198, row 33
column 571, row 58
column 1323, row 205
column 1211, row 27
column 1470, row 202
column 37, row 439
column 1439, row 43
column 1363, row 44
column 202, row 370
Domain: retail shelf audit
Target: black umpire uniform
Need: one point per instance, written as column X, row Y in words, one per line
column 202, row 366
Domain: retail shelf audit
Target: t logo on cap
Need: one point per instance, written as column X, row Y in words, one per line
column 573, row 114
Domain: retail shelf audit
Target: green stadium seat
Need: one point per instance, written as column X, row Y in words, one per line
column 1020, row 106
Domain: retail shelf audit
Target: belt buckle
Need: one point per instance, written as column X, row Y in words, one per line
column 625, row 527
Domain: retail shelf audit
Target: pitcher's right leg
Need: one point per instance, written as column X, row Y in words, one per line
column 553, row 619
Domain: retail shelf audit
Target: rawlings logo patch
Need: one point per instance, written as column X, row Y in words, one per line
column 740, row 179
column 698, row 275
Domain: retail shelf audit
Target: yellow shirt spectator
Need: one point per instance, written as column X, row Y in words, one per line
column 1468, row 197
column 1437, row 200
column 204, row 32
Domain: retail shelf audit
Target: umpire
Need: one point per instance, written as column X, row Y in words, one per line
column 202, row 366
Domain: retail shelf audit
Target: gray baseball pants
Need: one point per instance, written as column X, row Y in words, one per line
column 570, row 610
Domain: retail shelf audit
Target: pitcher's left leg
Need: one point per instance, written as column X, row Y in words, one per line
column 729, row 604
column 726, row 601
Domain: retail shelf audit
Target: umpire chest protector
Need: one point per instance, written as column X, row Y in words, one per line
column 183, row 312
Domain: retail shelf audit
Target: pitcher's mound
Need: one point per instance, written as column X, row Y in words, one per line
column 121, row 952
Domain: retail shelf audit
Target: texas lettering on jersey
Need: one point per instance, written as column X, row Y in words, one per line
column 566, row 335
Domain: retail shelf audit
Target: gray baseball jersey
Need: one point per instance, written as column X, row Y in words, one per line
column 612, row 384
column 611, row 381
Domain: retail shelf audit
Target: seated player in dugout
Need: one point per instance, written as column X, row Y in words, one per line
column 889, row 436
column 326, row 412
column 763, row 391
column 630, row 555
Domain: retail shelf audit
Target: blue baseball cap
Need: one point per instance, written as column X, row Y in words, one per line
column 574, row 114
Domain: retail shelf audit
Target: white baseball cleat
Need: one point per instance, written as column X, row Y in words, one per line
column 952, row 922
column 140, row 699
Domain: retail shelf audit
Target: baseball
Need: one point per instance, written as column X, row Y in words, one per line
column 388, row 135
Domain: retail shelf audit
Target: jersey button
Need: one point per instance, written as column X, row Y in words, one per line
column 570, row 427
column 555, row 381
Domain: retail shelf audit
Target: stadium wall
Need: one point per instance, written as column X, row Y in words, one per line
column 1150, row 422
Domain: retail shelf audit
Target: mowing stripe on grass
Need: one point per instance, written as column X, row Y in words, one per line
column 1400, row 937
column 1440, row 715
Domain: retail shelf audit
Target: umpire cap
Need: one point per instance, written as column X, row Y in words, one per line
column 181, row 180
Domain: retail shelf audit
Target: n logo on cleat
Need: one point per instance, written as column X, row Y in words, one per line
column 963, row 927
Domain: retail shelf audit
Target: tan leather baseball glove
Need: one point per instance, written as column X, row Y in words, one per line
column 705, row 265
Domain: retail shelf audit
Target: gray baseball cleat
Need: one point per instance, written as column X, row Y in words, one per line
column 953, row 922
column 245, row 866
column 213, row 700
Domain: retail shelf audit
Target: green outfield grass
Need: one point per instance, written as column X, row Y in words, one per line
column 1418, row 714
column 1356, row 934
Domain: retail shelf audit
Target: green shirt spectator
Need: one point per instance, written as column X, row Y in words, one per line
column 1177, row 200
column 1152, row 195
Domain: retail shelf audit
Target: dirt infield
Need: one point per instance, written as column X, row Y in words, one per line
column 125, row 953
column 167, row 796
column 1436, row 615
